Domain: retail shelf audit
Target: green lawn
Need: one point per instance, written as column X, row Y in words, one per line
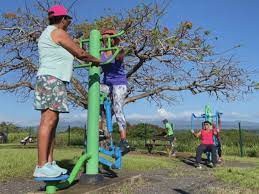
column 19, row 162
column 245, row 176
column 139, row 162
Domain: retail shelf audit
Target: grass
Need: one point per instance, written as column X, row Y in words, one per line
column 19, row 162
column 244, row 176
column 230, row 140
column 16, row 163
column 137, row 162
column 223, row 190
column 243, row 159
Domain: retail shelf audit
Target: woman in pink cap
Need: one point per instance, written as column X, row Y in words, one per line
column 56, row 54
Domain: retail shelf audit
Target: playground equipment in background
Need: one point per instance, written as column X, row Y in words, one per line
column 213, row 118
column 158, row 141
column 28, row 139
column 90, row 159
column 208, row 116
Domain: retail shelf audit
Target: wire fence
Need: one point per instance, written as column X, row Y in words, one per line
column 236, row 141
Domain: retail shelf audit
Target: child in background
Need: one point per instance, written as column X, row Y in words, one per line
column 169, row 133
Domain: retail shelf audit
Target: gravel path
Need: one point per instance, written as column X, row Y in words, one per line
column 185, row 179
column 20, row 186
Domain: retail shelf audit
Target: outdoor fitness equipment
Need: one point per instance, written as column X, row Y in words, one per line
column 110, row 149
column 90, row 157
column 208, row 116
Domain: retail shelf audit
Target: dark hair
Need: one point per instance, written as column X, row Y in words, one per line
column 165, row 121
column 207, row 122
column 54, row 19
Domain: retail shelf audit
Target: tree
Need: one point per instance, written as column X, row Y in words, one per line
column 144, row 130
column 8, row 127
column 161, row 62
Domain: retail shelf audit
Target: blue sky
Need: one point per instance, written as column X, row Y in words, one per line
column 233, row 21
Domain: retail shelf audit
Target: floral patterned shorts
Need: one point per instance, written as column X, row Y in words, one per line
column 50, row 93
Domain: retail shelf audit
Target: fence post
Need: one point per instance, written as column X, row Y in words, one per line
column 7, row 133
column 68, row 131
column 240, row 140
column 145, row 127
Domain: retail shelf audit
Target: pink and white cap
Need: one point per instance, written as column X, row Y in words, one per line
column 58, row 10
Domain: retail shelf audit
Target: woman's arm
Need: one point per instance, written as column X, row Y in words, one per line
column 215, row 131
column 196, row 134
column 62, row 38
column 121, row 55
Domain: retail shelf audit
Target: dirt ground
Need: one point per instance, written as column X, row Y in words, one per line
column 184, row 179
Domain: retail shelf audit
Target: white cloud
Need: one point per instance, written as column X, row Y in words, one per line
column 162, row 114
column 165, row 114
column 141, row 117
column 186, row 115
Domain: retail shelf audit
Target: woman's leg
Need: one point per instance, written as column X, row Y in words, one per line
column 118, row 94
column 214, row 154
column 50, row 98
column 219, row 149
column 48, row 122
column 200, row 149
column 52, row 142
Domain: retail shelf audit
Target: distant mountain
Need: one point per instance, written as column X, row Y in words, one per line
column 179, row 124
column 63, row 125
column 183, row 124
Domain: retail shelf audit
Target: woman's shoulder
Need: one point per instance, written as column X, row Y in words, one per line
column 59, row 32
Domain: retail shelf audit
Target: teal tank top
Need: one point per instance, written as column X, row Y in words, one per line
column 54, row 59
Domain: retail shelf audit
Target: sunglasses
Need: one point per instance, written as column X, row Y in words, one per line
column 68, row 18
